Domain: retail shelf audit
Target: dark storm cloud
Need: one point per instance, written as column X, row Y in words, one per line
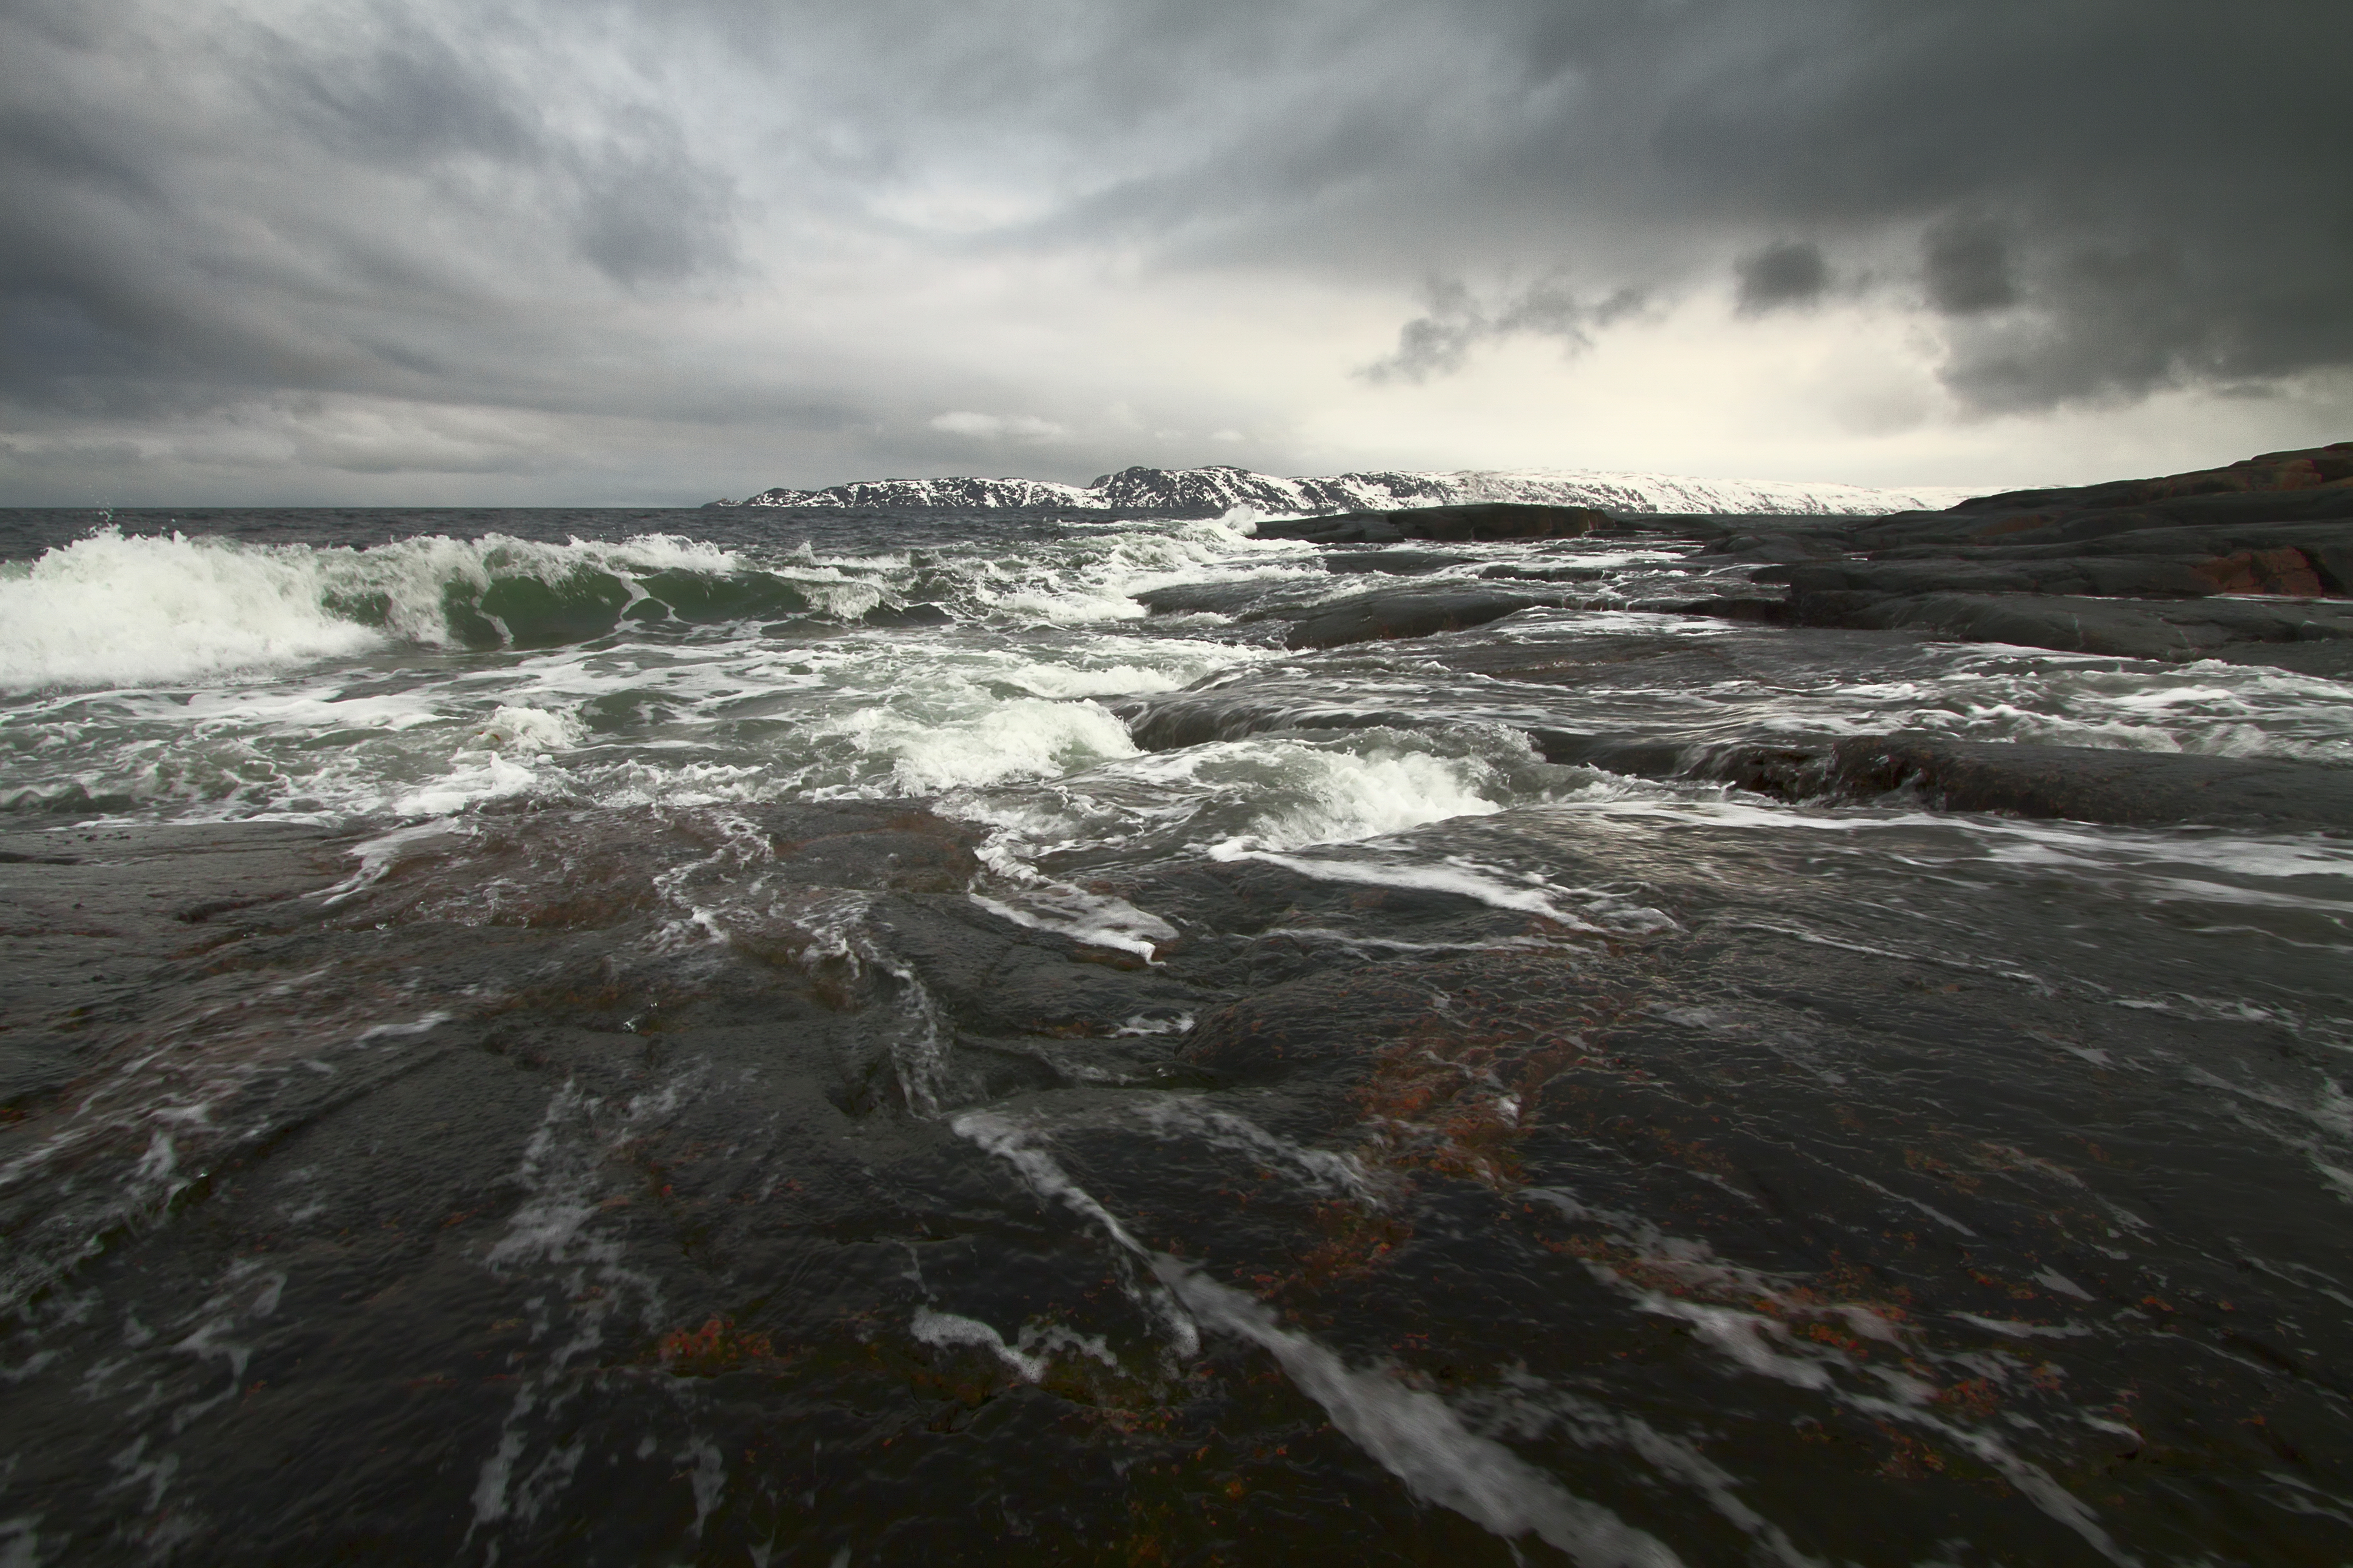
column 1966, row 265
column 337, row 199
column 1660, row 145
column 531, row 205
column 634, row 202
column 1780, row 275
column 1457, row 322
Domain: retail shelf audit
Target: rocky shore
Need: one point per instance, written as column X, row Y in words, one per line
column 1484, row 1036
column 2250, row 564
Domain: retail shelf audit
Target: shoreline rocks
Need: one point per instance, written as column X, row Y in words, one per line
column 2135, row 568
column 1390, row 613
column 2138, row 789
column 1485, row 521
column 2079, row 784
column 2248, row 564
column 2309, row 638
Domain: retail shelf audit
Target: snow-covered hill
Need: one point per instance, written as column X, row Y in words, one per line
column 1209, row 491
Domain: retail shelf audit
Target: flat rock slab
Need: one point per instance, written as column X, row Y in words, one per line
column 1525, row 571
column 1410, row 613
column 1493, row 519
column 86, row 912
column 2138, row 576
column 2294, row 563
column 1249, row 599
column 2083, row 783
column 1184, row 719
column 2322, row 540
column 2143, row 789
column 2061, row 568
column 2312, row 636
column 2306, row 486
column 1399, row 563
column 1769, row 549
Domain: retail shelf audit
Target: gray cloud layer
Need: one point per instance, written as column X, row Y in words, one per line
column 546, row 222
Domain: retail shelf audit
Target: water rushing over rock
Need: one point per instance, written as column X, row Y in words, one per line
column 788, row 1037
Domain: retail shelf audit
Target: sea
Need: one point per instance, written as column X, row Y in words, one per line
column 748, row 1037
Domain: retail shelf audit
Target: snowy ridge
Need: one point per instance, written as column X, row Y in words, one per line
column 1209, row 491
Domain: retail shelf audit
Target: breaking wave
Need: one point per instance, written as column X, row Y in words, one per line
column 111, row 611
column 117, row 610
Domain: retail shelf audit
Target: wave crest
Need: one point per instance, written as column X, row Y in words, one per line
column 112, row 610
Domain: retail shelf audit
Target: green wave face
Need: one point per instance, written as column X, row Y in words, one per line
column 703, row 598
column 530, row 612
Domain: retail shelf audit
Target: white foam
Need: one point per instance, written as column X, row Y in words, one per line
column 947, row 1329
column 1418, row 1438
column 1496, row 889
column 1317, row 1170
column 1067, row 680
column 1100, row 582
column 111, row 611
column 475, row 776
column 525, row 728
column 1746, row 1338
column 1094, row 919
column 1352, row 796
column 1413, row 1433
column 1024, row 1356
column 1027, row 738
column 2009, row 1328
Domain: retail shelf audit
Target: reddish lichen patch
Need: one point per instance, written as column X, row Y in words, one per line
column 1357, row 1239
column 717, row 1346
column 2281, row 571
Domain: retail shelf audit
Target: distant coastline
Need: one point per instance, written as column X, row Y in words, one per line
column 1216, row 489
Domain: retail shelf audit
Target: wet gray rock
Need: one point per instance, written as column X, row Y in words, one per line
column 917, row 615
column 1493, row 519
column 2082, row 784
column 1378, row 614
column 1529, row 571
column 2134, row 788
column 2305, row 635
column 2276, row 487
column 2099, row 568
column 1398, row 562
column 1246, row 600
column 1629, row 754
column 2138, row 576
column 1410, row 613
column 1725, row 532
column 1753, row 549
column 1193, row 719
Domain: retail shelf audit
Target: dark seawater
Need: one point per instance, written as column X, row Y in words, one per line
column 746, row 1037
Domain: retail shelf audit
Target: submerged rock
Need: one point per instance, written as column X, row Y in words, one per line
column 1398, row 562
column 1513, row 571
column 1408, row 613
column 2081, row 784
column 916, row 615
column 2132, row 788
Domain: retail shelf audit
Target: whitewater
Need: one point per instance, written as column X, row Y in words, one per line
column 800, row 1033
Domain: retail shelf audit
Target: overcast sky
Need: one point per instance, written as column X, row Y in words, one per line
column 598, row 251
